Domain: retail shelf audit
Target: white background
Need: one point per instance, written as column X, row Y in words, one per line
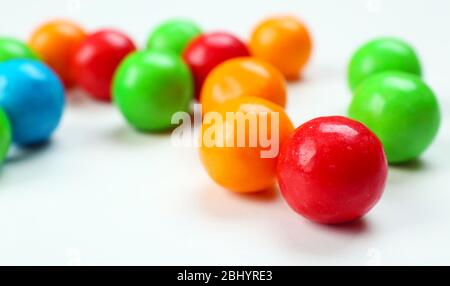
column 102, row 193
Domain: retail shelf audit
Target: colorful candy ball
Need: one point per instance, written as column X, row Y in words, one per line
column 332, row 170
column 5, row 135
column 150, row 86
column 284, row 42
column 14, row 49
column 380, row 55
column 33, row 98
column 401, row 109
column 55, row 42
column 240, row 142
column 173, row 35
column 244, row 76
column 96, row 60
column 209, row 50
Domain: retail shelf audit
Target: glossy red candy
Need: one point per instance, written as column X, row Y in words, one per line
column 96, row 60
column 332, row 170
column 209, row 50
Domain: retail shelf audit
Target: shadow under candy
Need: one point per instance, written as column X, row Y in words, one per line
column 25, row 152
column 417, row 164
column 306, row 237
column 267, row 195
column 77, row 97
column 129, row 135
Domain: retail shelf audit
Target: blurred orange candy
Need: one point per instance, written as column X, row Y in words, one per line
column 249, row 167
column 244, row 76
column 55, row 43
column 284, row 42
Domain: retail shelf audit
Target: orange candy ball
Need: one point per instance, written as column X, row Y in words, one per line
column 284, row 42
column 55, row 42
column 236, row 157
column 239, row 77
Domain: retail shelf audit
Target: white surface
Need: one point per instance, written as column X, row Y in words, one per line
column 103, row 194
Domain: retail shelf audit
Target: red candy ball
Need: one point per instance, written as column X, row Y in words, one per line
column 332, row 170
column 96, row 60
column 207, row 51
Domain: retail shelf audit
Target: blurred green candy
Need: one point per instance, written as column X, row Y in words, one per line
column 173, row 35
column 5, row 135
column 401, row 110
column 150, row 86
column 14, row 49
column 380, row 55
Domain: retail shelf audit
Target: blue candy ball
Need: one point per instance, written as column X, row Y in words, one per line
column 33, row 97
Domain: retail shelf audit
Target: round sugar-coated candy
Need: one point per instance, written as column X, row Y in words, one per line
column 244, row 76
column 332, row 170
column 33, row 98
column 284, row 42
column 401, row 109
column 150, row 86
column 173, row 35
column 55, row 43
column 240, row 142
column 209, row 50
column 380, row 55
column 14, row 49
column 96, row 60
column 5, row 135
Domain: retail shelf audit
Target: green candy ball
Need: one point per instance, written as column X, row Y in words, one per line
column 173, row 35
column 150, row 86
column 14, row 49
column 380, row 55
column 5, row 135
column 401, row 110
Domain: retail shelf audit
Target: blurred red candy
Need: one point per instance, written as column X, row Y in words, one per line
column 96, row 60
column 209, row 50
